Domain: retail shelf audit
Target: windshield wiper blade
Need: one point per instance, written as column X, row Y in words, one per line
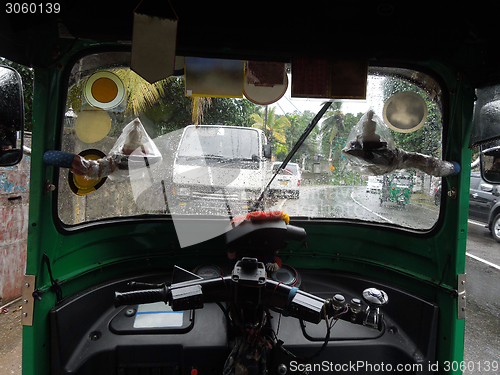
column 213, row 156
column 232, row 160
column 292, row 152
column 191, row 157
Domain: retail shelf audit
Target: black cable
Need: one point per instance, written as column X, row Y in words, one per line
column 280, row 343
column 224, row 310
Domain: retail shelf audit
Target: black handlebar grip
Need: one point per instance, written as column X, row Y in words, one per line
column 138, row 297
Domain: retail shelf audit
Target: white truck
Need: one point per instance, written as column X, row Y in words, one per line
column 374, row 184
column 219, row 168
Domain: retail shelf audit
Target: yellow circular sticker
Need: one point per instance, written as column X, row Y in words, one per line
column 92, row 125
column 104, row 90
column 80, row 185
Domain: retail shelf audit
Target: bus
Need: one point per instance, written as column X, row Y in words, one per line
column 120, row 282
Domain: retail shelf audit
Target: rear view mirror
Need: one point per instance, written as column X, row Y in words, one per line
column 11, row 117
column 267, row 151
column 485, row 131
column 486, row 187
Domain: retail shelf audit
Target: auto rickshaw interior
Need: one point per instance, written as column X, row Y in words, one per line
column 148, row 253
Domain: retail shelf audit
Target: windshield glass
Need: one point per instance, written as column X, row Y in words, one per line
column 220, row 166
column 290, row 169
column 219, row 142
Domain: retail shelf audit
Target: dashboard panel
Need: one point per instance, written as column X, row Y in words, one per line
column 89, row 335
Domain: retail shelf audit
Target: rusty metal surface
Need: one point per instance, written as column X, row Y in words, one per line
column 14, row 208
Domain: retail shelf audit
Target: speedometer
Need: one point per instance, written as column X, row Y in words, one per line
column 287, row 275
column 208, row 271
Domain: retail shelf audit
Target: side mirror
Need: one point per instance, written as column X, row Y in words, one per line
column 490, row 162
column 267, row 151
column 11, row 117
column 487, row 188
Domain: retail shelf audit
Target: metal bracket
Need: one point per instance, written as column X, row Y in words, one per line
column 461, row 298
column 452, row 193
column 48, row 187
column 28, row 300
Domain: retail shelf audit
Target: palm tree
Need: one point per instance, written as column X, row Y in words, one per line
column 332, row 125
column 141, row 94
column 273, row 126
column 198, row 105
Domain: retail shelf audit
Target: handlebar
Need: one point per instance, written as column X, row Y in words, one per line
column 138, row 297
column 248, row 288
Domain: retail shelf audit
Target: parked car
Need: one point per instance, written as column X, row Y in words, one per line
column 374, row 184
column 484, row 203
column 287, row 182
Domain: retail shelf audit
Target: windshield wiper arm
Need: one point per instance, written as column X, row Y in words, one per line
column 292, row 152
column 232, row 160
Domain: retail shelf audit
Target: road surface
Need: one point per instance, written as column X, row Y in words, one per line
column 482, row 322
column 355, row 203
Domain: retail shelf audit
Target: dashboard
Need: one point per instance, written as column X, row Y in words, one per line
column 89, row 335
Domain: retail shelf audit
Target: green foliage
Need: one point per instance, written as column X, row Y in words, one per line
column 174, row 110
column 298, row 123
column 274, row 127
column 332, row 125
column 334, row 132
column 232, row 112
column 342, row 177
